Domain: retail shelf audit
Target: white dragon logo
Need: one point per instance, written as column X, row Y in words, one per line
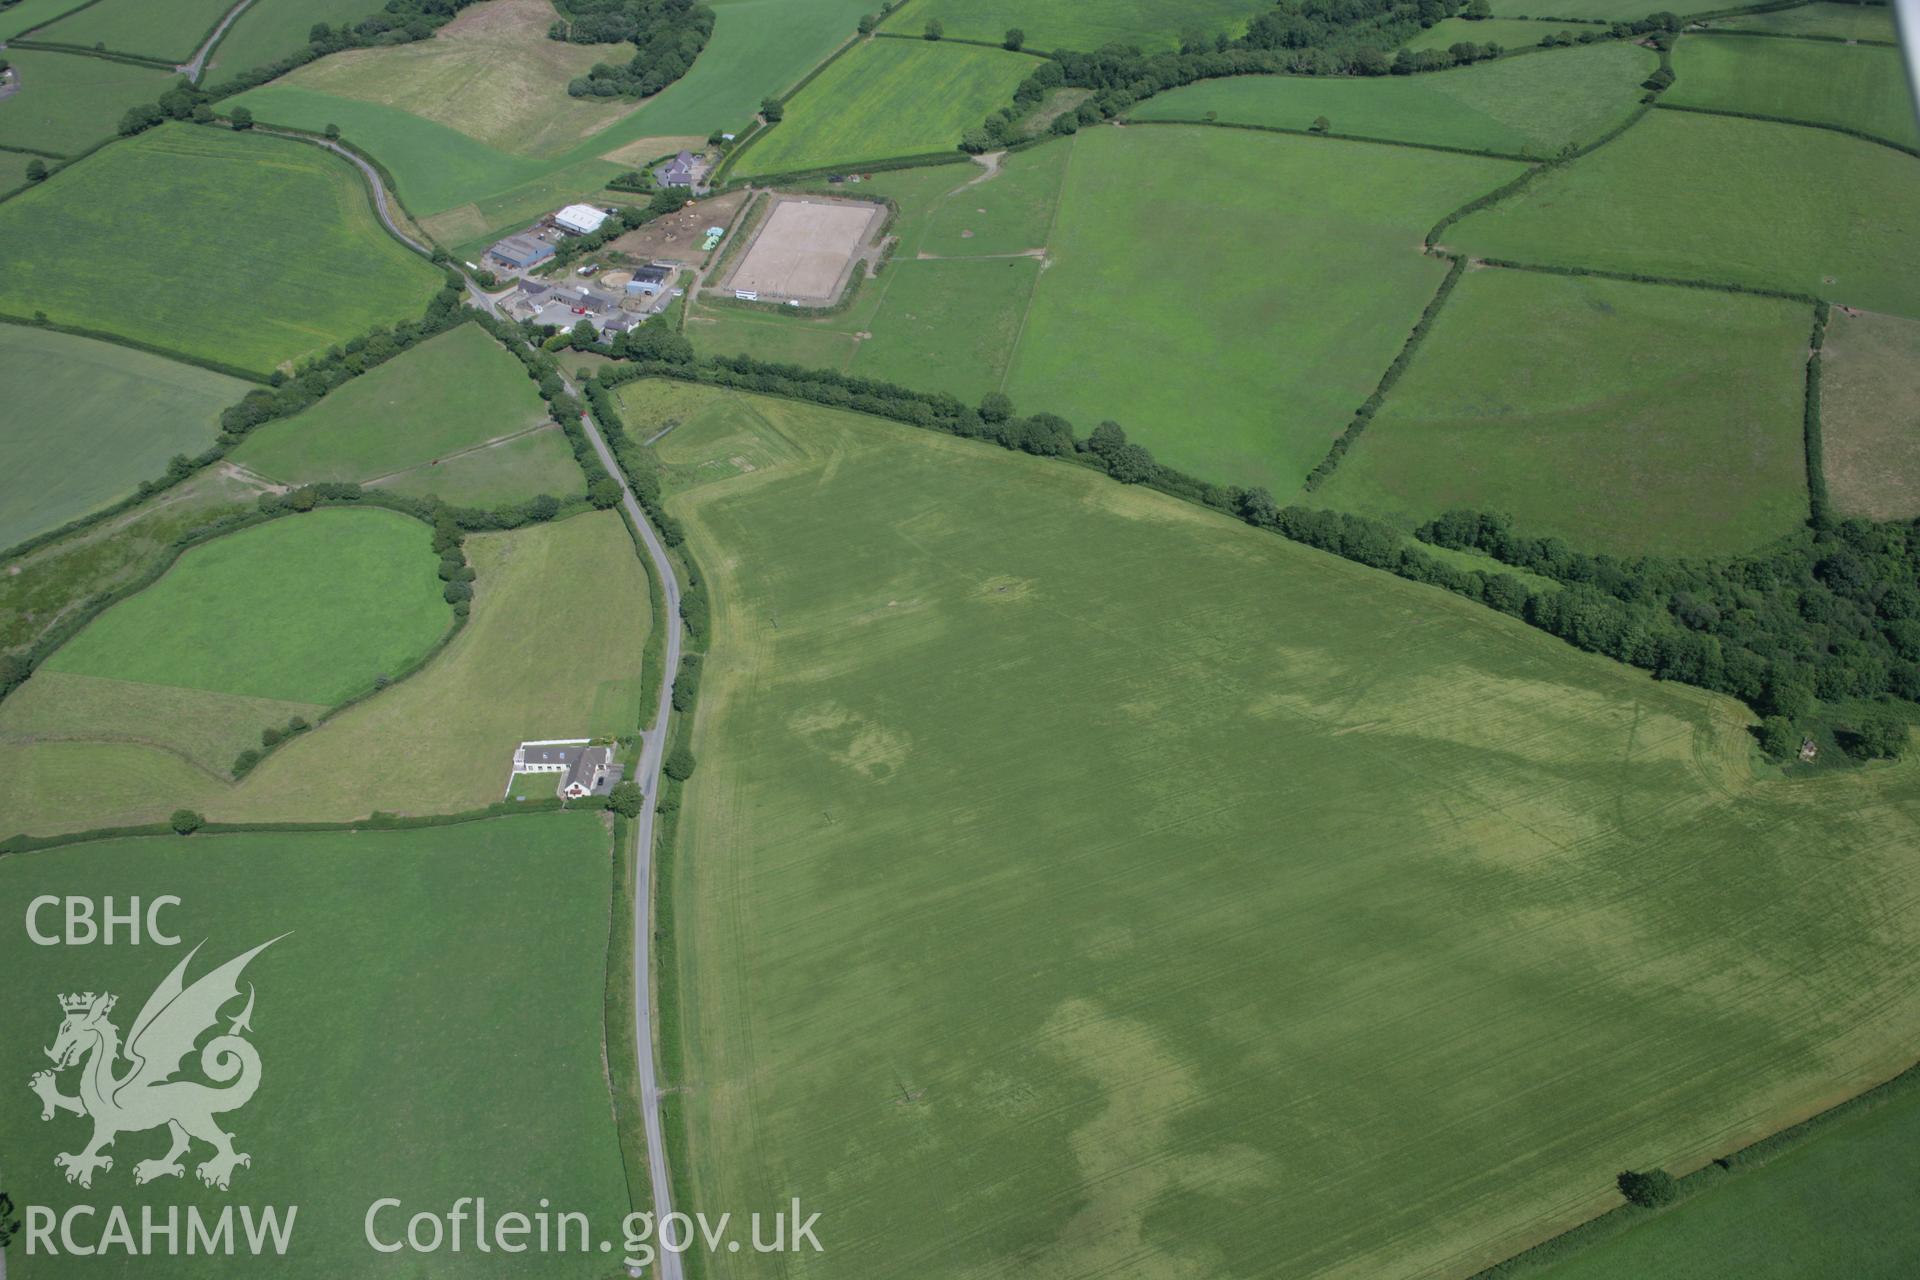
column 145, row 1097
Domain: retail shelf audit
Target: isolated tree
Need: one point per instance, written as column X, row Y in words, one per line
column 242, row 118
column 1882, row 735
column 1320, row 125
column 333, row 133
column 867, row 22
column 319, row 33
column 185, row 822
column 995, row 407
column 1650, row 1189
column 36, row 171
column 1015, row 38
column 772, row 110
column 1476, row 10
column 1107, row 439
column 935, row 29
column 1256, row 506
column 626, row 799
column 679, row 764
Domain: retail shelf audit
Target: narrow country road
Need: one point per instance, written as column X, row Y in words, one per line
column 192, row 70
column 372, row 175
column 653, row 751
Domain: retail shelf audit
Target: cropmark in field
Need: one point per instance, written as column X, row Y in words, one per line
column 1337, row 924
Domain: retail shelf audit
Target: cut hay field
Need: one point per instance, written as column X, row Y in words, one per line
column 272, row 29
column 456, row 391
column 171, row 30
column 1519, row 106
column 1841, row 1196
column 1151, row 25
column 68, row 102
column 490, row 74
column 1711, row 198
column 1869, row 409
column 467, row 190
column 307, row 608
column 535, row 462
column 1230, row 296
column 1841, row 21
column 1627, row 418
column 887, row 98
column 1076, row 882
column 431, row 1026
column 503, row 679
column 87, row 421
column 1862, row 88
column 263, row 250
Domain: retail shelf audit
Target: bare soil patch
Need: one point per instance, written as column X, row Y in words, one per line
column 677, row 237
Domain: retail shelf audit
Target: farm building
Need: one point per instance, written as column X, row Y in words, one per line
column 580, row 219
column 585, row 770
column 521, row 253
column 681, row 171
column 648, row 279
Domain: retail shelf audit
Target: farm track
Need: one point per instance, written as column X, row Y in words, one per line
column 381, row 204
column 193, row 69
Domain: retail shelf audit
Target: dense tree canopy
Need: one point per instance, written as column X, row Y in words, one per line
column 667, row 36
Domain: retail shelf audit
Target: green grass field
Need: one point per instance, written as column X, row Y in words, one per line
column 1815, row 81
column 171, row 30
column 1602, row 10
column 1836, row 1205
column 1707, row 198
column 539, row 461
column 263, row 250
column 1229, row 296
column 948, row 325
column 68, row 102
column 272, row 29
column 430, row 1027
column 87, row 421
column 1508, row 33
column 888, row 98
column 1152, row 25
column 1845, row 21
column 13, row 170
column 1076, row 882
column 502, row 680
column 1630, row 418
column 17, row 20
column 1869, row 403
column 304, row 609
column 1520, row 106
column 454, row 392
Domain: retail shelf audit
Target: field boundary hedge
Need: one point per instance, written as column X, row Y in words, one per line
column 33, row 151
column 1800, row 35
column 1369, row 407
column 1847, row 130
column 1569, row 1244
column 1819, row 502
column 1636, row 277
column 1338, row 137
column 761, row 127
column 101, row 335
column 87, row 51
column 1000, row 45
column 376, row 821
column 618, row 1043
column 84, row 4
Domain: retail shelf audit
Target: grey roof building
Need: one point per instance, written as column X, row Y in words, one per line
column 677, row 172
column 588, row 773
column 521, row 251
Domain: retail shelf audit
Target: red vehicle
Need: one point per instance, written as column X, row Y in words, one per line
column 579, row 311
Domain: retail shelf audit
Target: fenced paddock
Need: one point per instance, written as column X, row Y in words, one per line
column 805, row 250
